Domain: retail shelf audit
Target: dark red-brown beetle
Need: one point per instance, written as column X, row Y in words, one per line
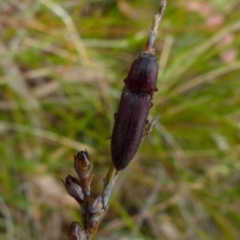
column 136, row 101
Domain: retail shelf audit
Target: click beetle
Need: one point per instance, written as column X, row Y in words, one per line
column 136, row 101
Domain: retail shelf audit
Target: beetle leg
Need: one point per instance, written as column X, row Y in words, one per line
column 149, row 126
column 146, row 129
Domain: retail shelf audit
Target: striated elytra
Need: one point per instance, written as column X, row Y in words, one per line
column 134, row 106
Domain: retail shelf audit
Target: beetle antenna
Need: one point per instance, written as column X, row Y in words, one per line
column 155, row 24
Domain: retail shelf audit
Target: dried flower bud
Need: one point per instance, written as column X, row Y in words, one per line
column 82, row 163
column 96, row 210
column 76, row 232
column 74, row 189
column 83, row 167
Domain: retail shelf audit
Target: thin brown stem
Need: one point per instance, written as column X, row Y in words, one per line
column 94, row 206
column 155, row 25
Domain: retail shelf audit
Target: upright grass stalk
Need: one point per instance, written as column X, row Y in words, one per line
column 93, row 207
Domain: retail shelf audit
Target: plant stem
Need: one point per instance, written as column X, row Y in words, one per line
column 111, row 175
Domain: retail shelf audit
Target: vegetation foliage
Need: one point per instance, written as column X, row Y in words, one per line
column 62, row 67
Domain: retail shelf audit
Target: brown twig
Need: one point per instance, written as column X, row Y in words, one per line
column 93, row 207
column 155, row 25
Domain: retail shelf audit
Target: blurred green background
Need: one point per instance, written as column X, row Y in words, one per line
column 62, row 65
